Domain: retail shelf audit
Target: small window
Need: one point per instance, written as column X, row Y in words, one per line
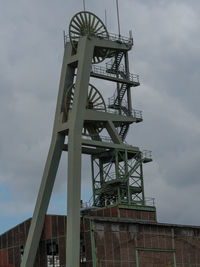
column 52, row 254
column 82, row 249
column 21, row 251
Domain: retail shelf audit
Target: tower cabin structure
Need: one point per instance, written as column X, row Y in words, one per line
column 86, row 123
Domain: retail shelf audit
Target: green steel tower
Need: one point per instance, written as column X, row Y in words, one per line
column 85, row 124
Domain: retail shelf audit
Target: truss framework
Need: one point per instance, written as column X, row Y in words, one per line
column 117, row 178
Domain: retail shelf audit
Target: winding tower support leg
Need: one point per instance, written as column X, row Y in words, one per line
column 84, row 58
column 50, row 170
column 85, row 53
column 43, row 199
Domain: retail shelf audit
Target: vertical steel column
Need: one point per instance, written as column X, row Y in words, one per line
column 93, row 179
column 118, row 200
column 94, row 258
column 101, row 172
column 85, row 54
column 136, row 246
column 142, row 181
column 118, row 84
column 173, row 247
column 117, row 4
column 126, row 175
column 116, row 164
column 128, row 88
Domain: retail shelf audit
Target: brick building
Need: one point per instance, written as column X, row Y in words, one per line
column 110, row 237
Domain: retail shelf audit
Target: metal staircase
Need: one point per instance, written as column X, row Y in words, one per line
column 123, row 131
column 117, row 101
column 116, row 62
column 120, row 94
column 114, row 67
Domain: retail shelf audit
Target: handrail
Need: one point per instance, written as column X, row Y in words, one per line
column 119, row 38
column 106, row 139
column 111, row 101
column 111, row 37
column 105, row 71
column 110, row 64
column 124, row 105
column 88, row 204
column 147, row 154
column 137, row 114
column 148, row 201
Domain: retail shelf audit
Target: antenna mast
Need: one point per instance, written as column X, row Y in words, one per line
column 118, row 17
column 105, row 17
column 84, row 5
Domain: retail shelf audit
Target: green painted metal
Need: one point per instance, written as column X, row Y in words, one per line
column 113, row 132
column 136, row 244
column 86, row 23
column 102, row 73
column 128, row 89
column 76, row 121
column 118, row 178
column 155, row 249
column 43, row 201
column 142, row 185
column 49, row 170
column 93, row 183
column 137, row 258
column 173, row 247
column 92, row 115
column 92, row 231
column 106, row 144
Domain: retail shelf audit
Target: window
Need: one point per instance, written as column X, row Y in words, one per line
column 52, row 254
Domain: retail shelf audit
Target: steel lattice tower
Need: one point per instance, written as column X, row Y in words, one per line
column 81, row 118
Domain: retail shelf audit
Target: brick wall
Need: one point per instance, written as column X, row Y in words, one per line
column 111, row 238
column 118, row 212
column 13, row 241
column 122, row 243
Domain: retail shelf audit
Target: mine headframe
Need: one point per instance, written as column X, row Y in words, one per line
column 85, row 124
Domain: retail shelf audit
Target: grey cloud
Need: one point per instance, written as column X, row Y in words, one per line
column 166, row 55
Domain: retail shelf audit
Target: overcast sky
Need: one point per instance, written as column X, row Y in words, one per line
column 166, row 55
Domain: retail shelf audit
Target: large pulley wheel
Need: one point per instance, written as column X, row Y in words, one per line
column 95, row 101
column 86, row 23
